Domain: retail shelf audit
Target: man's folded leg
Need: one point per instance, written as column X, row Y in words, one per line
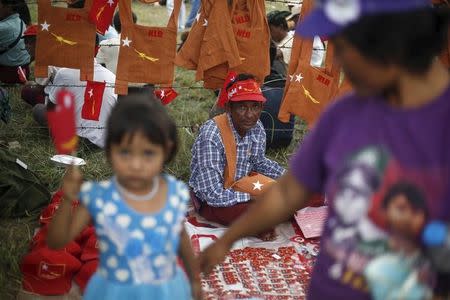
column 223, row 215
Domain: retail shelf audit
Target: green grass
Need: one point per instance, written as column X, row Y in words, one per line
column 190, row 110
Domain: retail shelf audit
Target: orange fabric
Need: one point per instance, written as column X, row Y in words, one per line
column 311, row 89
column 246, row 183
column 210, row 41
column 65, row 38
column 146, row 54
column 251, row 32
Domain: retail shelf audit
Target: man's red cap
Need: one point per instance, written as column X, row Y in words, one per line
column 48, row 272
column 243, row 90
column 85, row 273
column 90, row 249
column 31, row 30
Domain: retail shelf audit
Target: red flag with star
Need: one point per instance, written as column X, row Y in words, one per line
column 61, row 122
column 101, row 14
column 223, row 95
column 93, row 98
column 166, row 95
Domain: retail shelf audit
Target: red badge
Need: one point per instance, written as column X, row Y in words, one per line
column 101, row 14
column 93, row 98
column 166, row 95
column 61, row 122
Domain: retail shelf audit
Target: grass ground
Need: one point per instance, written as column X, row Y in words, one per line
column 33, row 146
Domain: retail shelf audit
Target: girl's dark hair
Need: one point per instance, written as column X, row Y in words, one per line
column 410, row 40
column 141, row 111
column 413, row 195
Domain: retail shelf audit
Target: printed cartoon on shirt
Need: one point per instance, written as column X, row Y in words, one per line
column 378, row 211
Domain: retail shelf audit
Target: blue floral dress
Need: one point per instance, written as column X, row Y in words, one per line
column 138, row 252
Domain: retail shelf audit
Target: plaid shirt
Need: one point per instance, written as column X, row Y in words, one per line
column 208, row 163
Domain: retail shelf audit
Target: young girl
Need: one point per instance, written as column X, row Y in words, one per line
column 394, row 129
column 138, row 213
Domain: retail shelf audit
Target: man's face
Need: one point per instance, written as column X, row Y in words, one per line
column 244, row 115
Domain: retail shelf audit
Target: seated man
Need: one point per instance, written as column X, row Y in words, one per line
column 229, row 166
column 90, row 120
column 12, row 47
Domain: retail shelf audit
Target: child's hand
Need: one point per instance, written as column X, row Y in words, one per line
column 72, row 181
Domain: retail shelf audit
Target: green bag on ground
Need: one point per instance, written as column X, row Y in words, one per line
column 21, row 191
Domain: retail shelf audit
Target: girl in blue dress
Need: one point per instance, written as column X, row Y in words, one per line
column 138, row 213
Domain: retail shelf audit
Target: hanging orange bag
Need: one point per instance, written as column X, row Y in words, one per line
column 251, row 32
column 65, row 38
column 146, row 53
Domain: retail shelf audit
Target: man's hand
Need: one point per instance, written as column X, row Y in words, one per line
column 213, row 255
column 71, row 183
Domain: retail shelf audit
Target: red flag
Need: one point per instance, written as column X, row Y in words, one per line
column 61, row 122
column 166, row 95
column 93, row 98
column 21, row 74
column 101, row 14
column 223, row 96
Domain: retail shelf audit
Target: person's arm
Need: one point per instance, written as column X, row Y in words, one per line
column 190, row 263
column 275, row 206
column 65, row 225
column 262, row 164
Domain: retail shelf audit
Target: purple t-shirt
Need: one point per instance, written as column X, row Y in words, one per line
column 385, row 172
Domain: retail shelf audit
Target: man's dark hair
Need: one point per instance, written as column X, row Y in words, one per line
column 278, row 18
column 140, row 111
column 410, row 40
column 413, row 195
column 116, row 21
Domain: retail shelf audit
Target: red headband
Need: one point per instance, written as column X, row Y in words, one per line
column 243, row 90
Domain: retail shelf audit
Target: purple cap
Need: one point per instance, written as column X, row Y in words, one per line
column 331, row 16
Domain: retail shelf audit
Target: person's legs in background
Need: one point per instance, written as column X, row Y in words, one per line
column 40, row 114
column 10, row 75
column 181, row 16
column 195, row 6
column 33, row 94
